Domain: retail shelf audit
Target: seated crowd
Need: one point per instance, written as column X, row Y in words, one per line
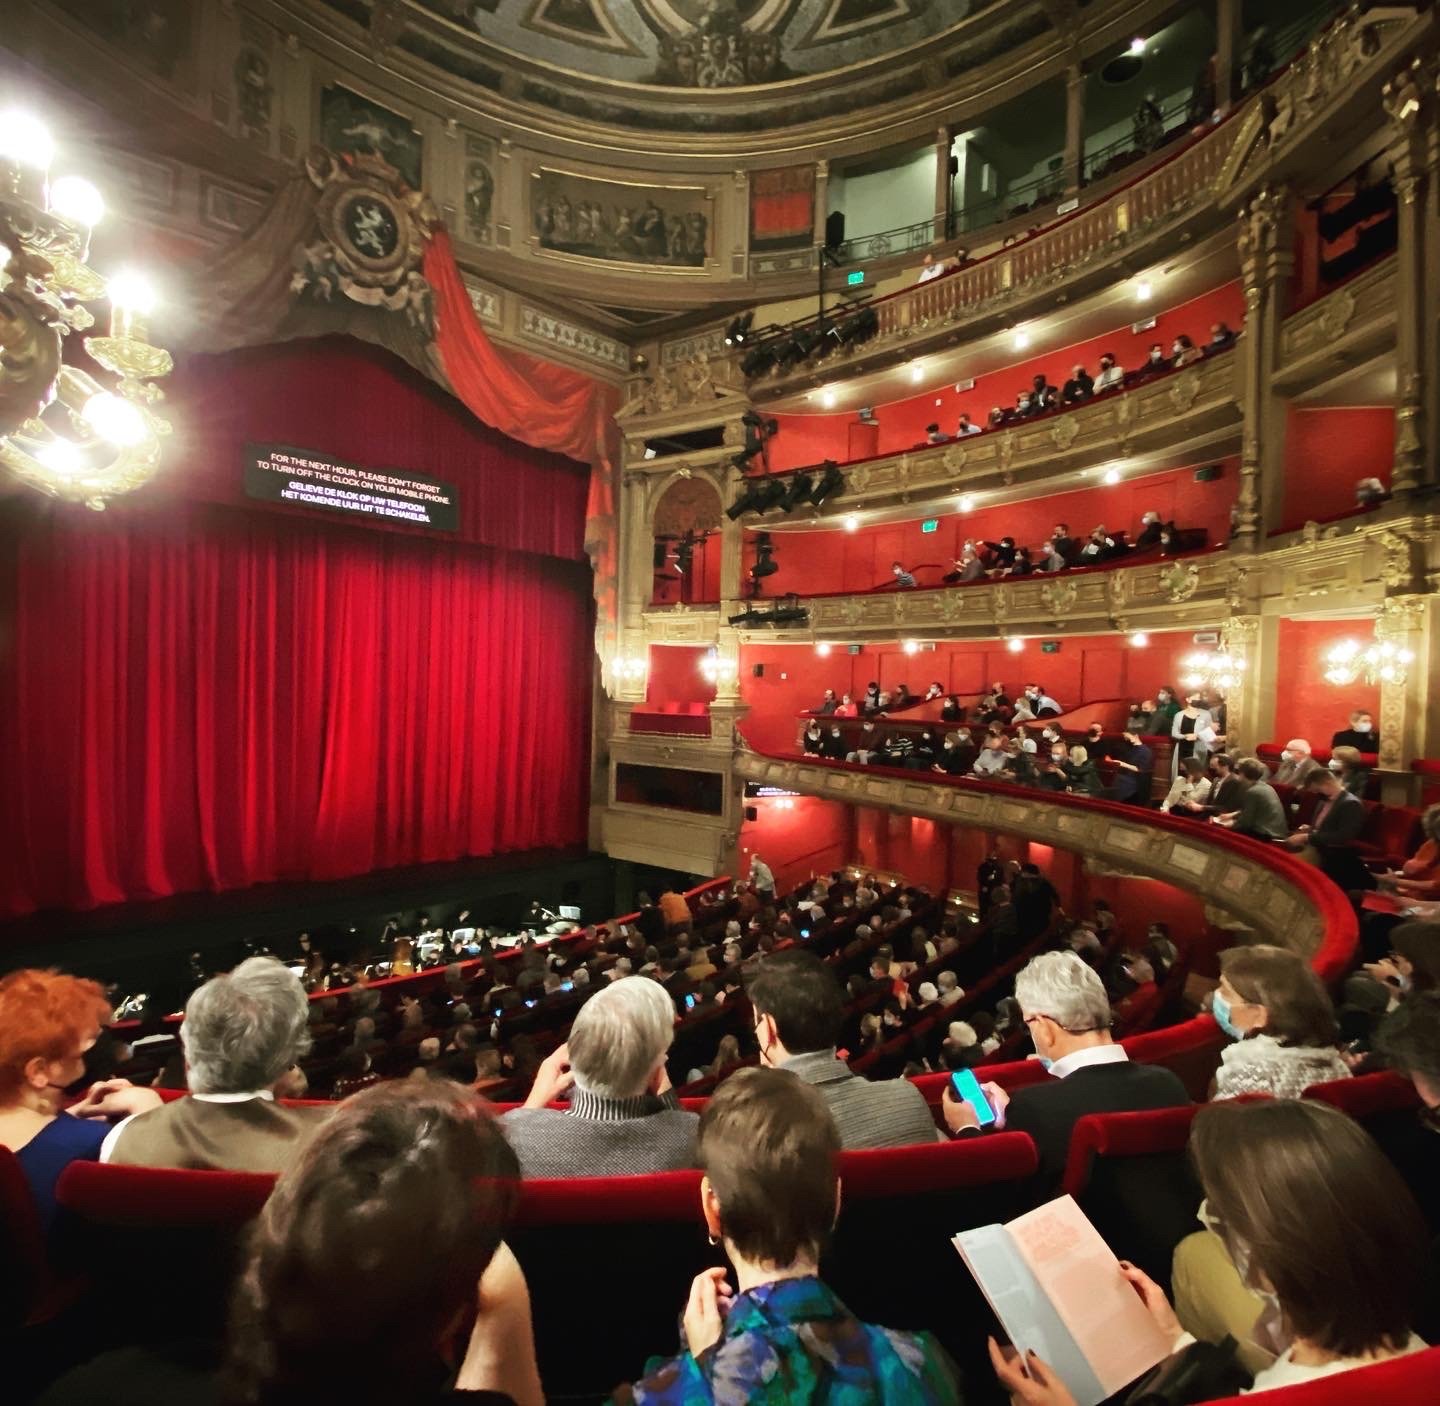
column 1043, row 395
column 824, row 986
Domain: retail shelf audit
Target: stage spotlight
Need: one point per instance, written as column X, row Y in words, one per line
column 739, row 329
column 831, row 482
column 768, row 494
column 742, row 460
column 765, row 563
column 747, row 499
column 799, row 492
column 757, row 361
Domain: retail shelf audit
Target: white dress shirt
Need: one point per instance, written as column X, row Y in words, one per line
column 1091, row 1054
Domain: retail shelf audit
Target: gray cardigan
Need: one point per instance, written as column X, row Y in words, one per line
column 603, row 1137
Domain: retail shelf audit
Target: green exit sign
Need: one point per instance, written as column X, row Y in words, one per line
column 855, row 278
column 1050, row 647
column 931, row 524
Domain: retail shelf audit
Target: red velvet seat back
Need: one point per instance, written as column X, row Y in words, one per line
column 1402, row 1381
column 26, row 1283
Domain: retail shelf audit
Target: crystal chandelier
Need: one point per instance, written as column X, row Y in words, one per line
column 1213, row 668
column 1377, row 662
column 61, row 430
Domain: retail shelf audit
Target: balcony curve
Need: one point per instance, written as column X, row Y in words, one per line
column 1261, row 888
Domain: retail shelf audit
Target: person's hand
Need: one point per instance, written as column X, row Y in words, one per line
column 710, row 1298
column 552, row 1079
column 959, row 1115
column 1386, row 971
column 1030, row 1380
column 113, row 1099
column 500, row 1356
column 1153, row 1297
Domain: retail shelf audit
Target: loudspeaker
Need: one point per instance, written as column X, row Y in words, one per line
column 661, row 551
column 758, row 670
column 954, row 166
column 834, row 229
column 1209, row 473
column 752, row 812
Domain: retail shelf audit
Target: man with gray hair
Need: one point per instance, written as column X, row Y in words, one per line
column 243, row 1031
column 1064, row 1005
column 623, row 1118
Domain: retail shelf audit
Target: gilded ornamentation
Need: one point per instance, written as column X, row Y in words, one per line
column 955, row 458
column 1339, row 309
column 1185, row 390
column 1064, row 431
column 1312, row 534
column 1000, row 604
column 1180, row 581
column 1235, row 586
column 1398, row 569
column 1059, row 598
column 1007, row 449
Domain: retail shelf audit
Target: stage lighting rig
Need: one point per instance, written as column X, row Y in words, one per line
column 765, row 563
column 830, row 483
column 799, row 491
column 769, row 493
column 746, row 501
column 738, row 331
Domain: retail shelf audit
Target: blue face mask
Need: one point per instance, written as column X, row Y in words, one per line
column 1046, row 1064
column 1220, row 1009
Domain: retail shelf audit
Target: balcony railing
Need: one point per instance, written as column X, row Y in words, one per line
column 1171, row 593
column 1193, row 408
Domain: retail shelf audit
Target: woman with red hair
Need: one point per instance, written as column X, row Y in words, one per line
column 48, row 1021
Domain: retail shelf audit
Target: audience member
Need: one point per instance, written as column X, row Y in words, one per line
column 1082, row 776
column 1419, row 876
column 868, row 745
column 1221, row 337
column 1360, row 735
column 1190, row 790
column 49, row 1024
column 1278, row 1015
column 1296, row 764
column 242, row 1031
column 1110, row 375
column 798, row 1017
column 930, row 268
column 770, row 1195
column 1346, row 763
column 622, row 1117
column 1080, row 386
column 966, row 426
column 1260, row 814
column 902, row 577
column 1064, row 1004
column 1134, row 765
column 1184, row 352
column 1329, row 840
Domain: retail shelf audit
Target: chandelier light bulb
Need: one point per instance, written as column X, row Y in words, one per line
column 133, row 291
column 73, row 198
column 25, row 140
column 117, row 420
column 61, row 458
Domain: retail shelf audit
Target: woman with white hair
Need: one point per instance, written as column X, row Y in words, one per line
column 622, row 1118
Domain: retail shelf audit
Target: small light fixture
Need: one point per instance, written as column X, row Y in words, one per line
column 1021, row 339
column 1014, row 645
column 823, row 649
column 1143, row 289
column 74, row 198
column 911, row 647
column 917, row 372
column 1111, row 477
column 967, row 502
column 1139, row 639
column 827, row 398
column 1137, row 47
column 852, row 523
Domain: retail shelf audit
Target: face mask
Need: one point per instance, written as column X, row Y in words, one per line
column 1046, row 1064
column 1286, row 755
column 1336, row 767
column 1224, row 1017
column 1057, row 756
column 1362, row 727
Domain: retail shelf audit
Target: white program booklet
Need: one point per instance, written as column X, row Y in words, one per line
column 1058, row 1292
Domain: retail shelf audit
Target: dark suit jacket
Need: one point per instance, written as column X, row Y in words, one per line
column 1261, row 814
column 1049, row 1111
column 1133, row 785
column 1342, row 824
column 1228, row 795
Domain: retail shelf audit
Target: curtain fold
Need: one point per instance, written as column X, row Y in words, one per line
column 218, row 699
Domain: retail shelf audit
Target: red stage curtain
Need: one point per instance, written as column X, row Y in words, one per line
column 207, row 698
column 357, row 402
column 782, row 206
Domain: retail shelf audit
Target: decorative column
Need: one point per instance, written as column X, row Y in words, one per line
column 1409, row 708
column 1266, row 245
column 1250, row 705
column 1074, row 128
column 1410, row 104
column 944, row 143
column 822, row 200
column 1227, row 53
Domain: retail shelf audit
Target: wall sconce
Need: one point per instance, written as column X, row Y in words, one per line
column 1377, row 662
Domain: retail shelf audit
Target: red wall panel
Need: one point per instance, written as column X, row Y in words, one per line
column 795, row 677
column 675, row 675
column 1305, row 705
column 1327, row 450
column 806, row 439
column 798, row 836
column 833, row 560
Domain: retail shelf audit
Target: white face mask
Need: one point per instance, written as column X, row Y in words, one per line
column 1287, row 755
column 1057, row 756
column 1362, row 727
column 1336, row 767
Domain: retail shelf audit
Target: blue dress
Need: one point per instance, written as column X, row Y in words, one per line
column 51, row 1150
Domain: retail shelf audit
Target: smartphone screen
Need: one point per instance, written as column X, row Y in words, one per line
column 967, row 1086
column 567, row 985
column 532, row 1002
column 690, row 1003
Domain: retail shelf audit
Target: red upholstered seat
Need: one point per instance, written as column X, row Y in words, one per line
column 1130, row 1175
column 1402, row 1381
column 1368, row 1096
